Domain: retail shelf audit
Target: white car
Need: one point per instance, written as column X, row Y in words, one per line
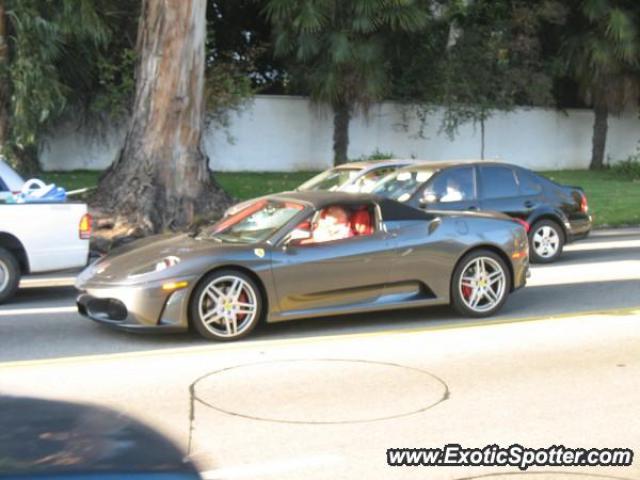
column 10, row 181
column 353, row 177
column 38, row 237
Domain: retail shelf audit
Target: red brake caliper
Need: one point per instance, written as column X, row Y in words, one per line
column 467, row 291
column 242, row 298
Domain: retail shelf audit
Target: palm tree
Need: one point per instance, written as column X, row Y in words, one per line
column 338, row 48
column 602, row 54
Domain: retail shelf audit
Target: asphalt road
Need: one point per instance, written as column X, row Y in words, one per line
column 325, row 398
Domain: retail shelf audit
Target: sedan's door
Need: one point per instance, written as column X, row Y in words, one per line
column 499, row 191
column 335, row 274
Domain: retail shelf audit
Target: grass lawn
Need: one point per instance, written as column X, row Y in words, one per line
column 613, row 199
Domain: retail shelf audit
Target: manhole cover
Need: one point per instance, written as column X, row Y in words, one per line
column 326, row 391
column 544, row 476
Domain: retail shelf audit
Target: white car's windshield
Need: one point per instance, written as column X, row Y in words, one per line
column 330, row 180
column 401, row 185
column 255, row 223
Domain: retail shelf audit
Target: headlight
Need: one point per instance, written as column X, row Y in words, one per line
column 166, row 262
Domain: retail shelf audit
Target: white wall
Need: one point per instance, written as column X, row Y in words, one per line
column 289, row 133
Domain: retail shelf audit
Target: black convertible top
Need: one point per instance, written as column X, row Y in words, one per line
column 396, row 211
column 391, row 210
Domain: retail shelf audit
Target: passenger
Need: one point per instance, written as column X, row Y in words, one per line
column 453, row 192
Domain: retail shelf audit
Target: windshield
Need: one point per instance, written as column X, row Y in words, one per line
column 330, row 180
column 402, row 185
column 255, row 223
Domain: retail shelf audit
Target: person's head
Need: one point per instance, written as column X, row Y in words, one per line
column 335, row 215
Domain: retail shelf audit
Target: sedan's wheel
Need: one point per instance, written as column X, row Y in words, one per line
column 9, row 275
column 546, row 240
column 227, row 305
column 480, row 284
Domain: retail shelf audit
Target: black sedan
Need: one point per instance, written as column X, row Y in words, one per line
column 553, row 214
column 307, row 254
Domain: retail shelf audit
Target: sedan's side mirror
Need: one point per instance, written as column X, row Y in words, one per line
column 429, row 198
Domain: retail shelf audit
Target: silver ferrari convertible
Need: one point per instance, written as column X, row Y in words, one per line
column 307, row 254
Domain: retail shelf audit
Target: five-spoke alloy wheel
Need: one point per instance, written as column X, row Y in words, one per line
column 546, row 240
column 480, row 284
column 226, row 305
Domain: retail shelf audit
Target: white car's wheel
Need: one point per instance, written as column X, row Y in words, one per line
column 227, row 305
column 9, row 275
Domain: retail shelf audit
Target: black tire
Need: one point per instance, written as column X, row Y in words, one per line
column 457, row 300
column 537, row 257
column 9, row 275
column 197, row 296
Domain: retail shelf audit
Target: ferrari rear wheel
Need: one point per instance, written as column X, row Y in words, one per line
column 227, row 305
column 480, row 284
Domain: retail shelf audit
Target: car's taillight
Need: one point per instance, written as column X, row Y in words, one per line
column 525, row 224
column 584, row 206
column 84, row 229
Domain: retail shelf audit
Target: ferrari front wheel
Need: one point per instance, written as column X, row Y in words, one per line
column 480, row 284
column 227, row 305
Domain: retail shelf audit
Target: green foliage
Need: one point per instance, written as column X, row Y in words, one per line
column 116, row 84
column 628, row 168
column 377, row 155
column 491, row 59
column 338, row 49
column 601, row 51
column 41, row 35
column 230, row 64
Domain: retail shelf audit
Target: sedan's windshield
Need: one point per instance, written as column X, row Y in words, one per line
column 255, row 223
column 330, row 180
column 401, row 185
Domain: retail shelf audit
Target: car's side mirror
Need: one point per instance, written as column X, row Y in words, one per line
column 296, row 236
column 429, row 198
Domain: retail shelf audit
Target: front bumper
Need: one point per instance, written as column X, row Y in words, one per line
column 136, row 308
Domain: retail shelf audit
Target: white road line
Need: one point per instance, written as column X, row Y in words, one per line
column 35, row 282
column 274, row 467
column 37, row 311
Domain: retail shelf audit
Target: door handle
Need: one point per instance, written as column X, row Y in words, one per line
column 528, row 204
column 473, row 208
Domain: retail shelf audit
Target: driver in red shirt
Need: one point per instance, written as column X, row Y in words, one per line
column 333, row 224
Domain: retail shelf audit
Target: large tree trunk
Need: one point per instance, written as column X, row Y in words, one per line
column 161, row 179
column 600, row 127
column 341, row 118
column 5, row 92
